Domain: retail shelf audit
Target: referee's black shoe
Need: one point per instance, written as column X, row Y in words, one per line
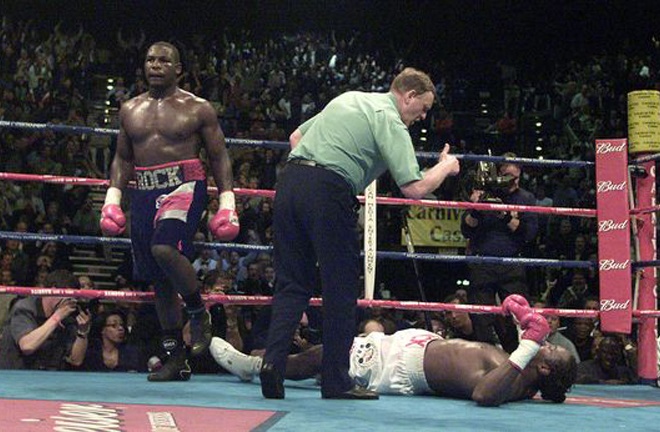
column 272, row 383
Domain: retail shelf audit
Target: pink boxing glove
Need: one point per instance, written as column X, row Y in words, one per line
column 535, row 327
column 224, row 225
column 516, row 305
column 113, row 220
column 536, row 330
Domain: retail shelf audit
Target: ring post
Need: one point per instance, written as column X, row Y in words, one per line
column 644, row 136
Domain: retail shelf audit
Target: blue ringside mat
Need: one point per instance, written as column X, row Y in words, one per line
column 222, row 403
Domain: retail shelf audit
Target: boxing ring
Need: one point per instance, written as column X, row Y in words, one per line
column 77, row 401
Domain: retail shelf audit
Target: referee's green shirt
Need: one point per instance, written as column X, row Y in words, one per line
column 359, row 136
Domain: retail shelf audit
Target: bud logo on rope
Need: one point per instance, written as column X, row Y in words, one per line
column 608, row 186
column 607, row 305
column 608, row 147
column 610, row 264
column 610, row 225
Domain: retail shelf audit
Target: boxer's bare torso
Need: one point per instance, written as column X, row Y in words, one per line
column 168, row 124
column 166, row 129
column 455, row 367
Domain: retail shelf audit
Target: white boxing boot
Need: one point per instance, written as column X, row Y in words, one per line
column 242, row 365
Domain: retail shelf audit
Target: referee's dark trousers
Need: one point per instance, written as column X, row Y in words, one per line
column 315, row 222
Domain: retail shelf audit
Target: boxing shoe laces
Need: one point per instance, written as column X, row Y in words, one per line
column 245, row 367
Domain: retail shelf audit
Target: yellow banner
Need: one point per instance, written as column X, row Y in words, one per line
column 439, row 227
column 644, row 121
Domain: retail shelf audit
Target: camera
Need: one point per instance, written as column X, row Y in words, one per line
column 84, row 306
column 495, row 186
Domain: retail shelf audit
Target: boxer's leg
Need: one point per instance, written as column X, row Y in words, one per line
column 176, row 221
column 168, row 307
column 303, row 365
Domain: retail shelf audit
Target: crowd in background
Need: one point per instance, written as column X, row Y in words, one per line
column 263, row 89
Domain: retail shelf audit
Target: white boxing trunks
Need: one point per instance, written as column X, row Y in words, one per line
column 391, row 364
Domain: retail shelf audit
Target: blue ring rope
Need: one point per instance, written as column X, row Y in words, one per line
column 124, row 242
column 285, row 145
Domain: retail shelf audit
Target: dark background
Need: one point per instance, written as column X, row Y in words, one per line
column 523, row 31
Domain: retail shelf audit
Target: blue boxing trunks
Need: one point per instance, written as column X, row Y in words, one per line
column 166, row 209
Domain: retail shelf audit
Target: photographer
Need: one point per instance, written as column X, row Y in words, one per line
column 498, row 233
column 46, row 332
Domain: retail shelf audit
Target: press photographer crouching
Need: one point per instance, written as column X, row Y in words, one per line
column 46, row 332
column 501, row 234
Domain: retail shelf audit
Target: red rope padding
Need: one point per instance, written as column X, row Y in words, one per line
column 566, row 211
column 140, row 297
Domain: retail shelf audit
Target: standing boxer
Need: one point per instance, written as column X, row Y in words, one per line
column 161, row 134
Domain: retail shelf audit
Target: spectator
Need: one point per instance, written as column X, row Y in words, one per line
column 608, row 365
column 384, row 316
column 458, row 324
column 40, row 280
column 204, row 263
column 46, row 332
column 108, row 350
column 269, row 279
column 6, row 302
column 370, row 325
column 565, row 194
column 30, row 204
column 86, row 219
column 561, row 242
column 6, row 215
column 504, row 234
column 555, row 337
column 119, row 93
column 7, row 277
column 574, row 295
column 580, row 332
column 59, row 258
column 19, row 261
column 254, row 283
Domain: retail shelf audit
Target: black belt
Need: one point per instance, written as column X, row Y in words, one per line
column 306, row 162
